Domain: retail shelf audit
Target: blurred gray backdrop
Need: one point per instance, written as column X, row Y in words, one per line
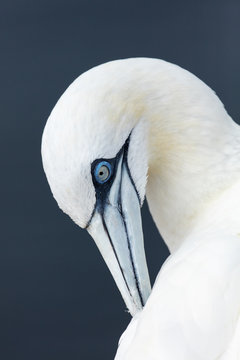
column 58, row 300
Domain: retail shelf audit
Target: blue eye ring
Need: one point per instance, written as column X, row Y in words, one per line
column 106, row 172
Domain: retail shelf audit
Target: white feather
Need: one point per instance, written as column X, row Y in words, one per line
column 188, row 146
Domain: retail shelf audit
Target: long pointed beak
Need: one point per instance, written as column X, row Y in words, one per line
column 116, row 227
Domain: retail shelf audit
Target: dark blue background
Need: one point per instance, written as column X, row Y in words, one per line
column 58, row 300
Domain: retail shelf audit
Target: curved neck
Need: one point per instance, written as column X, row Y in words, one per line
column 192, row 146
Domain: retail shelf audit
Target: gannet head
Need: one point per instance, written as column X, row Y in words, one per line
column 119, row 123
column 94, row 151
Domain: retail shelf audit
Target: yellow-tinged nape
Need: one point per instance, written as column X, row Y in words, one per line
column 194, row 151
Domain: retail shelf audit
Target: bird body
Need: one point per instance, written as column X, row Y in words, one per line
column 193, row 311
column 154, row 128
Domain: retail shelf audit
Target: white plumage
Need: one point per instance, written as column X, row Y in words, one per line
column 184, row 152
column 194, row 309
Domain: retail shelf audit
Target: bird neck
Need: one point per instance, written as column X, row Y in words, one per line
column 194, row 155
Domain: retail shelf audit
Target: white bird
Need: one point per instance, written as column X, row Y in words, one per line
column 136, row 126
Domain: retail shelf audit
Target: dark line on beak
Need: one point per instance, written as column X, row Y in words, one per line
column 89, row 221
column 132, row 262
column 115, row 253
column 125, row 227
column 101, row 196
column 125, row 159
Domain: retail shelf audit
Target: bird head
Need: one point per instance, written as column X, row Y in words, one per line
column 119, row 124
column 95, row 157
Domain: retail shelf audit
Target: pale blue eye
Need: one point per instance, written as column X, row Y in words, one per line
column 102, row 172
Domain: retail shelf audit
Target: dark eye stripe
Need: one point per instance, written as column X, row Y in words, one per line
column 102, row 172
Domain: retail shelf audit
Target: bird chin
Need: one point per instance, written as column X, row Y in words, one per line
column 116, row 229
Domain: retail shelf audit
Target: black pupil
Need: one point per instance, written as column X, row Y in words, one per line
column 103, row 172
